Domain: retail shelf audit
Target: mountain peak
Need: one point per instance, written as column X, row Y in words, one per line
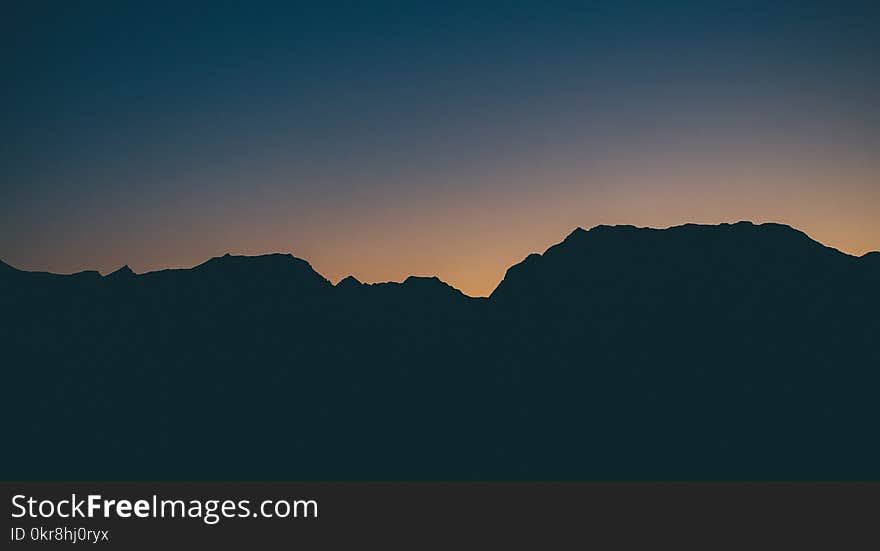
column 273, row 259
column 430, row 284
column 415, row 280
column 743, row 227
column 612, row 227
column 576, row 232
column 614, row 252
column 349, row 282
column 280, row 267
column 124, row 271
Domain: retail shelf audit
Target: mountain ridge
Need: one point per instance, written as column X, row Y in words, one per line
column 278, row 260
column 712, row 352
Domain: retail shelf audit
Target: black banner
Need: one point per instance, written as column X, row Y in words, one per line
column 411, row 515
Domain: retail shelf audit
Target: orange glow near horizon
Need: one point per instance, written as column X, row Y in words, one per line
column 469, row 236
column 433, row 140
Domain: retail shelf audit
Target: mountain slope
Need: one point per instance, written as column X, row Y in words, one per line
column 732, row 351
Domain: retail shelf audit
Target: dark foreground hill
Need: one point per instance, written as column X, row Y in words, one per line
column 732, row 351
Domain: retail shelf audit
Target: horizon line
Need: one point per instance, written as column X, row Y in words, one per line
column 126, row 267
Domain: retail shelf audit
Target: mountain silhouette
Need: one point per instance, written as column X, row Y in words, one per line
column 736, row 351
column 349, row 282
column 122, row 273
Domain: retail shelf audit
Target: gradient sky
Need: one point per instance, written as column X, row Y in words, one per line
column 449, row 139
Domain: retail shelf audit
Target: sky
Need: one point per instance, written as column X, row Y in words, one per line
column 387, row 139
